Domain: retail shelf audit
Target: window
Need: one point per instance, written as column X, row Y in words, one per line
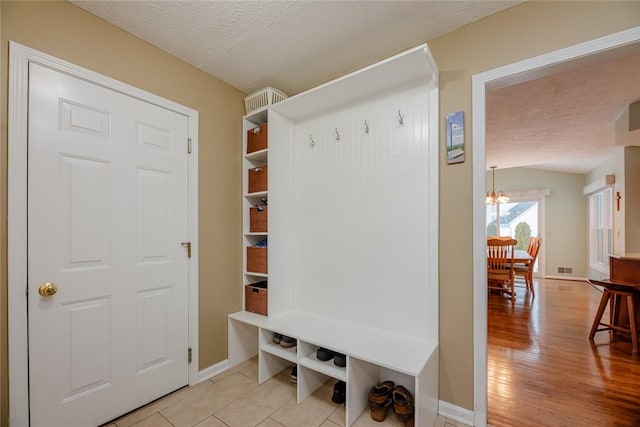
column 520, row 219
column 600, row 229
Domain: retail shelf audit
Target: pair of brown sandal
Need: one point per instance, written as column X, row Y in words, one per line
column 383, row 395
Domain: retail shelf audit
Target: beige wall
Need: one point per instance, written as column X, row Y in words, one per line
column 4, row 385
column 524, row 31
column 518, row 33
column 632, row 203
column 68, row 32
column 634, row 116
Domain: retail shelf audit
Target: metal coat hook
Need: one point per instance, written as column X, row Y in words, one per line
column 337, row 135
column 400, row 118
column 311, row 141
column 366, row 127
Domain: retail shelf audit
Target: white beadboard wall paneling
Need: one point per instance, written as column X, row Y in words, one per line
column 414, row 66
column 353, row 222
column 359, row 214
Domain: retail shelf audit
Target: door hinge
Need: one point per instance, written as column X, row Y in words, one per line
column 188, row 246
column 189, row 145
column 189, row 355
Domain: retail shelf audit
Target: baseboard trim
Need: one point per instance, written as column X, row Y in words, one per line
column 455, row 413
column 213, row 370
column 575, row 279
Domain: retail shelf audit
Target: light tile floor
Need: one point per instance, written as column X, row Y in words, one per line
column 234, row 398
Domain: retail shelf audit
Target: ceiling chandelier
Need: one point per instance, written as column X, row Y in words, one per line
column 493, row 198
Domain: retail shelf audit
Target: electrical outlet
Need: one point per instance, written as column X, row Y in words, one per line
column 560, row 269
column 568, row 270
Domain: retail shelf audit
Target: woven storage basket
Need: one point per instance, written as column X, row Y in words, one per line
column 257, row 179
column 257, row 260
column 263, row 98
column 255, row 300
column 257, row 138
column 258, row 219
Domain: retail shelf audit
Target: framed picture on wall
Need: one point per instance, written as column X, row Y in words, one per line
column 455, row 137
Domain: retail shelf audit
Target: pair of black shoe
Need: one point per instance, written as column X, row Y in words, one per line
column 284, row 341
column 325, row 355
column 293, row 376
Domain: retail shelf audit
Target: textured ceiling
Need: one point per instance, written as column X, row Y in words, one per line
column 564, row 121
column 290, row 45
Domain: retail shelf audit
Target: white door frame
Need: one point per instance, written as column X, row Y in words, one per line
column 19, row 58
column 499, row 77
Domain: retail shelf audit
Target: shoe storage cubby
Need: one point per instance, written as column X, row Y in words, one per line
column 309, row 380
column 307, row 358
column 268, row 346
column 273, row 358
column 348, row 162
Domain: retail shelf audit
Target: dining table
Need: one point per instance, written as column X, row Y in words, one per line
column 521, row 256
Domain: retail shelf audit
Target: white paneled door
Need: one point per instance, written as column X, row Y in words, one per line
column 107, row 213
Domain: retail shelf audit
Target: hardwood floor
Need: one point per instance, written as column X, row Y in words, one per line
column 544, row 371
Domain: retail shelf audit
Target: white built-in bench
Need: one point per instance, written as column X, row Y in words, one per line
column 373, row 355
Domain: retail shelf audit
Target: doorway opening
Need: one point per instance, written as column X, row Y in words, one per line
column 493, row 79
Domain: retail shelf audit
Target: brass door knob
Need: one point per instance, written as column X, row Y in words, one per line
column 47, row 289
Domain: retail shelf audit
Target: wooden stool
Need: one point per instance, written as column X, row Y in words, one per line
column 617, row 297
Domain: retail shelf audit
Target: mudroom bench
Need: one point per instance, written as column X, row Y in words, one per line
column 373, row 355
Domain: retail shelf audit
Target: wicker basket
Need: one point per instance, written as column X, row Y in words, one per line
column 256, row 295
column 263, row 98
column 257, row 260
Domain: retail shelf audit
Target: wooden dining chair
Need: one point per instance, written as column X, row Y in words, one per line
column 526, row 269
column 534, row 243
column 500, row 267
